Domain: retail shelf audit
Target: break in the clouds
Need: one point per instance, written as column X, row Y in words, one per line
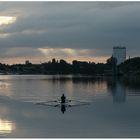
column 40, row 31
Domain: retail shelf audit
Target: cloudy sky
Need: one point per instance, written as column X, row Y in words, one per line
column 40, row 31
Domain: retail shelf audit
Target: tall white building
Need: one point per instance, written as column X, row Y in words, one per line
column 120, row 54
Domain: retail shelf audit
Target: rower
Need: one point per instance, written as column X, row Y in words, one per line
column 63, row 98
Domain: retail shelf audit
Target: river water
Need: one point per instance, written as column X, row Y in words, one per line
column 112, row 109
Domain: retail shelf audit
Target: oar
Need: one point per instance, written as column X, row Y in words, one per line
column 48, row 101
column 79, row 101
column 78, row 105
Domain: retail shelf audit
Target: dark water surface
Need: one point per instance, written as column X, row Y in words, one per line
column 114, row 109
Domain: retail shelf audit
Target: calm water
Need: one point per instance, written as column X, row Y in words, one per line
column 114, row 109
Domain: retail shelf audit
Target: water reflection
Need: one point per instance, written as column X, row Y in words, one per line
column 117, row 90
column 6, row 126
column 19, row 118
column 63, row 108
column 4, row 88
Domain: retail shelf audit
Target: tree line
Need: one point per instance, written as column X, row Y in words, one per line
column 129, row 67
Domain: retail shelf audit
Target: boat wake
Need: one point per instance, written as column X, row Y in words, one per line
column 63, row 106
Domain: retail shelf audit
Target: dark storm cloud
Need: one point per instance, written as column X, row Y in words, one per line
column 78, row 25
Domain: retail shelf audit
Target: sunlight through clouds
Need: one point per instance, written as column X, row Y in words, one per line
column 82, row 31
column 58, row 51
column 67, row 51
column 5, row 20
column 70, row 54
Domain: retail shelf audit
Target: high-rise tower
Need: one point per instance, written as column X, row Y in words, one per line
column 120, row 54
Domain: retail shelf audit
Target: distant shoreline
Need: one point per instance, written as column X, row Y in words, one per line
column 130, row 67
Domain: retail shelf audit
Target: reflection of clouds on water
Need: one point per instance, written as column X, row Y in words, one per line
column 6, row 126
column 4, row 84
column 99, row 119
column 5, row 88
column 15, row 115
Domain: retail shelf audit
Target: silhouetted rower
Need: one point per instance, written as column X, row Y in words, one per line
column 63, row 98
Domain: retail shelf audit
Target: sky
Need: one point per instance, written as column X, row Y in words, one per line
column 86, row 31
